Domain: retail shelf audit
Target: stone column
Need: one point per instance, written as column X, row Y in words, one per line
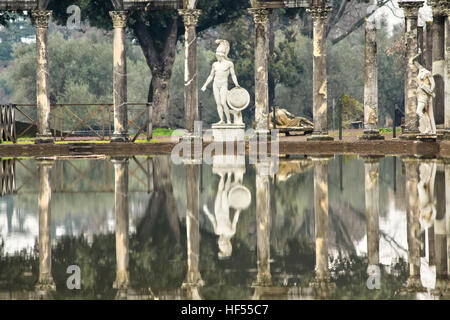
column 371, row 131
column 45, row 282
column 264, row 277
column 120, row 134
column 190, row 18
column 411, row 11
column 193, row 278
column 42, row 18
column 447, row 74
column 122, row 281
column 438, row 68
column 319, row 15
column 413, row 227
column 371, row 168
column 428, row 46
column 261, row 19
column 321, row 284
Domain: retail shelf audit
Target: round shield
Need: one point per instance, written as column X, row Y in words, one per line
column 239, row 197
column 238, row 99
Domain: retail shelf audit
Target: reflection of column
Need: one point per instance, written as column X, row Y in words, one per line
column 411, row 10
column 190, row 18
column 261, row 19
column 413, row 227
column 264, row 278
column 43, row 135
column 438, row 59
column 371, row 84
column 371, row 167
column 45, row 282
column 193, row 278
column 120, row 77
column 320, row 14
column 321, row 284
column 121, row 210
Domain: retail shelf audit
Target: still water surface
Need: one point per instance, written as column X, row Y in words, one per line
column 302, row 228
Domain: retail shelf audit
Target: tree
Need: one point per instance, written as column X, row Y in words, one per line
column 157, row 33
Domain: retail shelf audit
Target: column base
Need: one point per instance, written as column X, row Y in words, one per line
column 45, row 284
column 445, row 135
column 122, row 280
column 426, row 137
column 371, row 135
column 414, row 285
column 320, row 136
column 409, row 135
column 263, row 280
column 120, row 138
column 323, row 287
column 44, row 138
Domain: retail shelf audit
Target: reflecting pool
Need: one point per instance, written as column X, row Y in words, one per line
column 338, row 227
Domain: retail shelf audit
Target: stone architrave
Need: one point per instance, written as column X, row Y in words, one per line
column 45, row 281
column 190, row 18
column 120, row 134
column 411, row 11
column 438, row 68
column 122, row 281
column 319, row 15
column 261, row 19
column 322, row 283
column 42, row 18
column 371, row 131
column 193, row 280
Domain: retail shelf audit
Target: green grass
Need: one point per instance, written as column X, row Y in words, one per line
column 389, row 130
column 158, row 132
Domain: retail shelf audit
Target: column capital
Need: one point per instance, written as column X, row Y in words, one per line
column 119, row 18
column 319, row 12
column 260, row 15
column 190, row 16
column 41, row 17
column 440, row 8
column 411, row 8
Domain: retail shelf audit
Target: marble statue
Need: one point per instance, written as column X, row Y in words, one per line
column 425, row 190
column 425, row 95
column 221, row 70
column 229, row 195
column 286, row 119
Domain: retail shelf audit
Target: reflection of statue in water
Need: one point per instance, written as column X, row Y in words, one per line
column 232, row 195
column 286, row 119
column 425, row 95
column 425, row 189
column 220, row 72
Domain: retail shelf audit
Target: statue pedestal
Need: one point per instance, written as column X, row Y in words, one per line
column 228, row 132
column 427, row 137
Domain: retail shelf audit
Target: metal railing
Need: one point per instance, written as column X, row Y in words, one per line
column 81, row 120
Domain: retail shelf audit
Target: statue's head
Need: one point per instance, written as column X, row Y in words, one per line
column 223, row 49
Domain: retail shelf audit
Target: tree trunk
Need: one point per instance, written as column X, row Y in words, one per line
column 162, row 204
column 161, row 65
